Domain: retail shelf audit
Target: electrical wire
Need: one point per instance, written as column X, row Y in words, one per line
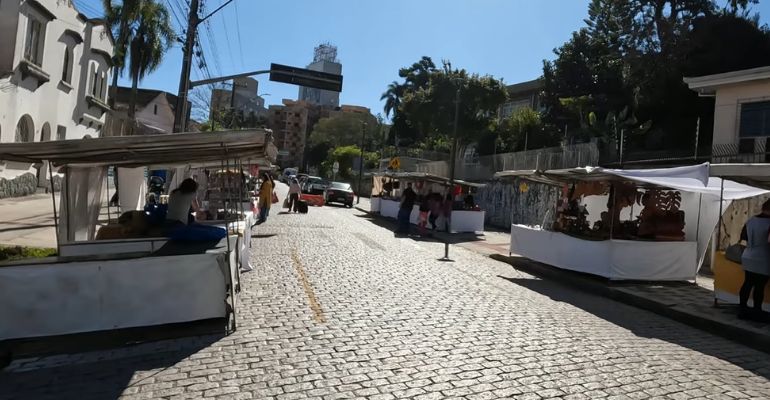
column 238, row 31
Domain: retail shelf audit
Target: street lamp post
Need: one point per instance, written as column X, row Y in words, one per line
column 361, row 160
column 452, row 162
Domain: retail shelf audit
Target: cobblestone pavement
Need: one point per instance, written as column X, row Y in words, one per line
column 339, row 308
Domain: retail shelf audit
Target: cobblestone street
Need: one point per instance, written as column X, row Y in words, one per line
column 337, row 307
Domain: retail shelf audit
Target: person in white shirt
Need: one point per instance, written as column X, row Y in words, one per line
column 294, row 193
column 182, row 201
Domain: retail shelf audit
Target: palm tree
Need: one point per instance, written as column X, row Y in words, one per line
column 121, row 19
column 151, row 38
column 392, row 98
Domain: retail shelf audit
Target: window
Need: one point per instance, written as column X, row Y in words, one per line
column 94, row 83
column 155, row 109
column 25, row 130
column 66, row 72
column 755, row 119
column 61, row 132
column 33, row 48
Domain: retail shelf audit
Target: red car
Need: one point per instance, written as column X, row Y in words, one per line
column 339, row 192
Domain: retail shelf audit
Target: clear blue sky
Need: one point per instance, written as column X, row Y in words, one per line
column 505, row 38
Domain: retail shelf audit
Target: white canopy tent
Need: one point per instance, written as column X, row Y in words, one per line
column 638, row 260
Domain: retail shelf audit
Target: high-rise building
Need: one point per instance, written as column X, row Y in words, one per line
column 324, row 60
column 243, row 98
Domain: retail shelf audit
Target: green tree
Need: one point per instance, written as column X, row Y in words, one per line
column 121, row 18
column 392, row 97
column 428, row 104
column 345, row 129
column 345, row 156
column 152, row 37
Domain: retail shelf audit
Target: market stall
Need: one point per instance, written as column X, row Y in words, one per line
column 387, row 189
column 626, row 224
column 138, row 279
column 729, row 275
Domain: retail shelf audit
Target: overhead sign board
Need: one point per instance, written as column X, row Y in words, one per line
column 305, row 77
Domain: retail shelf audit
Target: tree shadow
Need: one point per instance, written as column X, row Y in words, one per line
column 109, row 373
column 429, row 235
column 648, row 325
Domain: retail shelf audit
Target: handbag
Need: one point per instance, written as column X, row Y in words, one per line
column 275, row 198
column 734, row 252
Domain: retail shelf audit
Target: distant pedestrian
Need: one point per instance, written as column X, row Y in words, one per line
column 435, row 209
column 448, row 205
column 405, row 211
column 265, row 197
column 756, row 264
column 423, row 219
column 294, row 193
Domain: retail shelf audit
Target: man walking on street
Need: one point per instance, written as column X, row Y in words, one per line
column 407, row 204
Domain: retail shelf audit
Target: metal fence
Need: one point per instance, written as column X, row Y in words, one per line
column 548, row 158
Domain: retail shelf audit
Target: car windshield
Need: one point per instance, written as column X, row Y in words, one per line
column 340, row 185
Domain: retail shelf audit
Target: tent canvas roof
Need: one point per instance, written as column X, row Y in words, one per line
column 693, row 178
column 151, row 150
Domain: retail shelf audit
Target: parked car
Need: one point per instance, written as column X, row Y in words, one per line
column 339, row 192
column 314, row 185
column 287, row 173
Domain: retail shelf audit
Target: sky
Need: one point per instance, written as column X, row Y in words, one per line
column 507, row 39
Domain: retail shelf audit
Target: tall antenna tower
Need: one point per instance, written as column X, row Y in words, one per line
column 325, row 52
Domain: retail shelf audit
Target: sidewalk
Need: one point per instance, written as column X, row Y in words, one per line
column 689, row 303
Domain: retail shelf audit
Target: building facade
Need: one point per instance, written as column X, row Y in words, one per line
column 522, row 95
column 741, row 113
column 55, row 66
column 243, row 98
column 324, row 60
column 154, row 113
column 290, row 123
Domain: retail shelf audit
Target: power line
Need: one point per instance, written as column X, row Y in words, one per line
column 238, row 31
column 227, row 38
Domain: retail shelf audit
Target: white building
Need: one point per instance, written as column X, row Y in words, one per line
column 54, row 70
column 155, row 110
column 741, row 113
column 243, row 98
column 324, row 60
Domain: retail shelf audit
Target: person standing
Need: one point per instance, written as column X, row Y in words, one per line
column 294, row 193
column 448, row 205
column 405, row 210
column 756, row 264
column 265, row 197
column 435, row 209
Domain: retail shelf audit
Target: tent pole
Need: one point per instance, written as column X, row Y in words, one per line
column 53, row 201
column 721, row 201
column 697, row 236
column 109, row 210
column 614, row 204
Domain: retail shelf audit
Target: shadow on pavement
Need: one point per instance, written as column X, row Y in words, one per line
column 109, row 373
column 26, row 227
column 628, row 317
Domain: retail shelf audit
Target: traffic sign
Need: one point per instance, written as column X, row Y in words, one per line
column 336, row 167
column 395, row 163
column 305, row 77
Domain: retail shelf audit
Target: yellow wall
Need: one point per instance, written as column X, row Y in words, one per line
column 727, row 107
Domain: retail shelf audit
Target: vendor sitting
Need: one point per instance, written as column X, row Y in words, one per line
column 182, row 203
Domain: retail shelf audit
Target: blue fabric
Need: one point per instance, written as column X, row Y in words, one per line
column 197, row 233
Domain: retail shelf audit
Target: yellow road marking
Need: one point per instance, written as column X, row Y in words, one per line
column 318, row 313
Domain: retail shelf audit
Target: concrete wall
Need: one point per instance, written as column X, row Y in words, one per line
column 727, row 108
column 505, row 202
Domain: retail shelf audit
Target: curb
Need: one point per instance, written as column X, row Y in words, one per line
column 753, row 339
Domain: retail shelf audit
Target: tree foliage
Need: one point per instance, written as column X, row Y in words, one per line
column 629, row 61
column 424, row 105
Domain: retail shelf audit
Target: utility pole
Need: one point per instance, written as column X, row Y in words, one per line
column 180, row 114
column 180, row 117
column 361, row 161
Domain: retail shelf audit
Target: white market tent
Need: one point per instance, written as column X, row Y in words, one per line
column 631, row 259
column 101, row 286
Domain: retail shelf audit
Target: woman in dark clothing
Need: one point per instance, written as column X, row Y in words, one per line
column 756, row 264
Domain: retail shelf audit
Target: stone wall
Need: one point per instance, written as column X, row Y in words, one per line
column 507, row 202
column 22, row 185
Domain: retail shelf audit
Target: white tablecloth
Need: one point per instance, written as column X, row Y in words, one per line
column 613, row 259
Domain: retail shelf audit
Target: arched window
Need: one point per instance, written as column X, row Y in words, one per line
column 45, row 133
column 66, row 73
column 25, row 130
